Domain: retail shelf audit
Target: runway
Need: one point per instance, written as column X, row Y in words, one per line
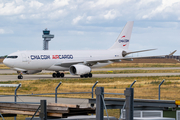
column 8, row 71
column 35, row 77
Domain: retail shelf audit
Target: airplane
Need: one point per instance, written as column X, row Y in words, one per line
column 77, row 62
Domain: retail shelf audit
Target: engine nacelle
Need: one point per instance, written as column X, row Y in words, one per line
column 79, row 69
column 31, row 71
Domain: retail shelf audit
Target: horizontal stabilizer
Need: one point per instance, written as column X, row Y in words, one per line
column 172, row 53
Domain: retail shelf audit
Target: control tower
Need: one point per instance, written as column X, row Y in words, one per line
column 47, row 37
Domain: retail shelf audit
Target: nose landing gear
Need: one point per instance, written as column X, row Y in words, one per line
column 20, row 76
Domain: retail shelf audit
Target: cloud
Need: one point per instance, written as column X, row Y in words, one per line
column 35, row 4
column 2, row 31
column 90, row 11
column 76, row 32
column 165, row 9
column 25, row 19
column 57, row 14
column 35, row 16
column 11, row 8
column 60, row 3
column 19, row 1
column 106, row 3
column 111, row 14
column 77, row 19
column 5, row 31
column 22, row 16
column 89, row 18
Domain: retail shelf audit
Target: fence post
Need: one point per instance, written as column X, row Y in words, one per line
column 160, row 89
column 132, row 84
column 43, row 113
column 99, row 103
column 93, row 87
column 15, row 95
column 15, row 92
column 92, row 105
column 129, row 103
column 56, row 92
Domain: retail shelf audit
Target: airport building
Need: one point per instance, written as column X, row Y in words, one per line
column 47, row 37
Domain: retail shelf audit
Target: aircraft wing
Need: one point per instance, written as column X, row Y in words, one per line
column 91, row 62
column 124, row 53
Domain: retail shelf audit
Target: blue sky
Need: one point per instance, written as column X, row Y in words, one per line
column 89, row 24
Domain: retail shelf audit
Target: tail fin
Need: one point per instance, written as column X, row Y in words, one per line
column 124, row 37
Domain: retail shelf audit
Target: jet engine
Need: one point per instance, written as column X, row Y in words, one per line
column 31, row 71
column 79, row 69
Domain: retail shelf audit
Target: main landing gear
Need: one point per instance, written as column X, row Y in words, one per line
column 58, row 75
column 86, row 75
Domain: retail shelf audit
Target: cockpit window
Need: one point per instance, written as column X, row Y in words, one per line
column 13, row 57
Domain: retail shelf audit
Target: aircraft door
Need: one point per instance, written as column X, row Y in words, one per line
column 24, row 59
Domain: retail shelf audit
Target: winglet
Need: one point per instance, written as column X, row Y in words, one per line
column 172, row 53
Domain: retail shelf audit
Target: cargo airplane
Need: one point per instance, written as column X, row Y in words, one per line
column 77, row 62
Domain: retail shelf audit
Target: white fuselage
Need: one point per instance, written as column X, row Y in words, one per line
column 47, row 59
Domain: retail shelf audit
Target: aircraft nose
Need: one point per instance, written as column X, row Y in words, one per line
column 7, row 63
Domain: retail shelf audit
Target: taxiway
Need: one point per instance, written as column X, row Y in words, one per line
column 36, row 77
column 4, row 77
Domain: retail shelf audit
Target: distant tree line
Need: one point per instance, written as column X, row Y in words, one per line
column 2, row 57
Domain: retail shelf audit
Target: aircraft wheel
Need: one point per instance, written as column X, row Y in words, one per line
column 86, row 75
column 20, row 77
column 81, row 76
column 90, row 75
column 54, row 75
column 62, row 75
column 58, row 75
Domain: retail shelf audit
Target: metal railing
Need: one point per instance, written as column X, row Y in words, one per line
column 56, row 93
